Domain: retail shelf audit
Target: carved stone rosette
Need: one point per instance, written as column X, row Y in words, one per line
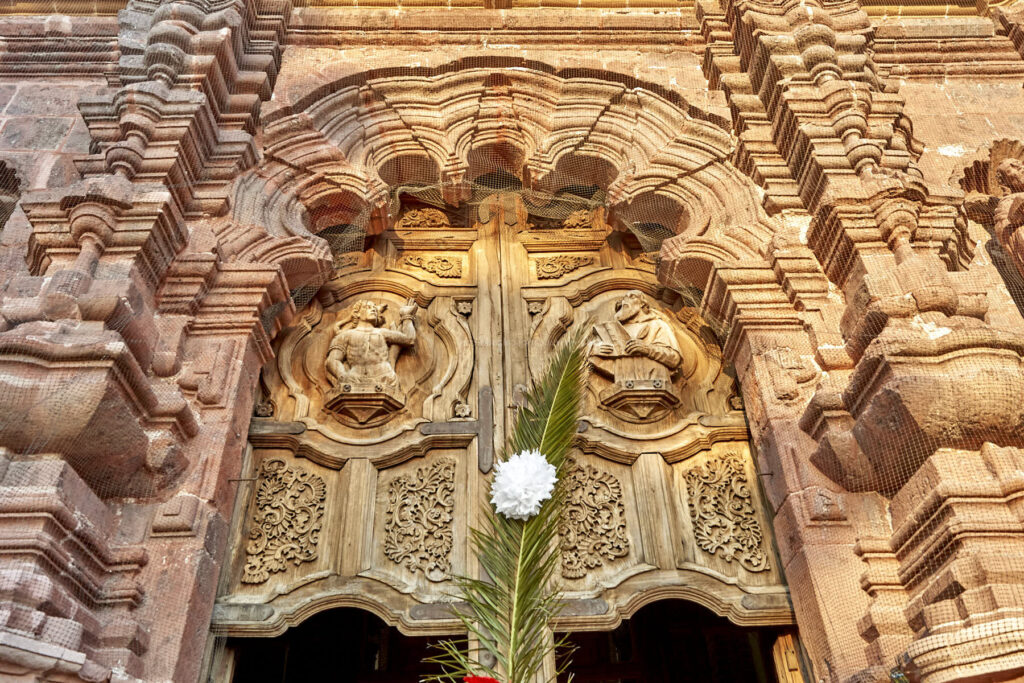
column 418, row 520
column 287, row 522
column 593, row 525
column 723, row 516
column 551, row 267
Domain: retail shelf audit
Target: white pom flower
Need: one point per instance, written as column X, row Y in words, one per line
column 521, row 484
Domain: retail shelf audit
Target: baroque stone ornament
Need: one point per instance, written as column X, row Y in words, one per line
column 361, row 364
column 551, row 267
column 593, row 526
column 441, row 266
column 418, row 520
column 721, row 508
column 287, row 522
column 640, row 355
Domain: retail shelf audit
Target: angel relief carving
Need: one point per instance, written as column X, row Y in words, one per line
column 361, row 363
column 639, row 353
column 418, row 520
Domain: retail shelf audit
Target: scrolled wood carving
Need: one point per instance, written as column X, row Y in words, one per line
column 441, row 266
column 721, row 507
column 551, row 267
column 423, row 218
column 286, row 525
column 418, row 520
column 592, row 530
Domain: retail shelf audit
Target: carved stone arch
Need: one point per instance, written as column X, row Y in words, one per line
column 653, row 140
column 491, row 285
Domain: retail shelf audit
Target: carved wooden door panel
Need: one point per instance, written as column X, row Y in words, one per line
column 391, row 394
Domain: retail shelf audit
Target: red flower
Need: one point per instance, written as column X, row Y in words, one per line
column 478, row 679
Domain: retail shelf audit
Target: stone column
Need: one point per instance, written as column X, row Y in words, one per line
column 908, row 317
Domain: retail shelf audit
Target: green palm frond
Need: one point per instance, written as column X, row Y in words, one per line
column 510, row 608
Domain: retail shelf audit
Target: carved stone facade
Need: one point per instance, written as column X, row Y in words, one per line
column 267, row 314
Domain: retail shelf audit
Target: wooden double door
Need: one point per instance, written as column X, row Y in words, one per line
column 391, row 394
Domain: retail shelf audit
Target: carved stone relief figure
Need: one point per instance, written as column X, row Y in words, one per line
column 361, row 362
column 639, row 353
column 418, row 520
column 721, row 507
column 592, row 531
column 286, row 524
column 789, row 372
column 1009, row 213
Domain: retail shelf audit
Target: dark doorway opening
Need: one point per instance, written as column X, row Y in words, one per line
column 675, row 641
column 340, row 646
column 672, row 641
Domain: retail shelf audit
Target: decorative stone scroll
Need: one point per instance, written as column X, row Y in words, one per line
column 593, row 524
column 441, row 266
column 723, row 516
column 287, row 522
column 551, row 267
column 418, row 520
column 581, row 219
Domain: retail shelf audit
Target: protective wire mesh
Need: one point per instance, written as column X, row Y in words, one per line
column 985, row 564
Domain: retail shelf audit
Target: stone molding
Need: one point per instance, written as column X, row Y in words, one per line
column 909, row 296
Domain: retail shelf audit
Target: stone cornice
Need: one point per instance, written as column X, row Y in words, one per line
column 59, row 46
column 328, row 26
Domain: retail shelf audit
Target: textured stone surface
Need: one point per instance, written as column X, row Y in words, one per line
column 827, row 169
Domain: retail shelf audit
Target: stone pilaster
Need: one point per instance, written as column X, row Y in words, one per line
column 131, row 348
column 908, row 317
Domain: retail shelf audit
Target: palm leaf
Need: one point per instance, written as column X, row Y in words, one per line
column 509, row 610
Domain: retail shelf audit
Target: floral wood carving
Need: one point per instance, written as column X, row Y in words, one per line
column 423, row 218
column 287, row 522
column 550, row 267
column 723, row 513
column 593, row 524
column 581, row 219
column 441, row 266
column 418, row 520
